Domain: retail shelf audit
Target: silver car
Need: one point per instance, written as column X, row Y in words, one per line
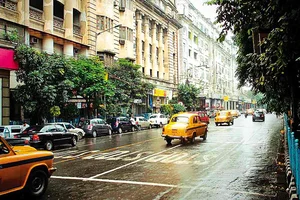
column 72, row 129
column 142, row 122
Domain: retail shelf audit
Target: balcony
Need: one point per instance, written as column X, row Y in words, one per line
column 36, row 14
column 76, row 29
column 58, row 23
column 9, row 5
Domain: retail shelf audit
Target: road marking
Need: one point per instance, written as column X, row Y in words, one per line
column 131, row 163
column 111, row 149
column 207, row 189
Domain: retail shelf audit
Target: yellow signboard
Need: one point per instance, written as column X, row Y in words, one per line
column 159, row 93
column 226, row 98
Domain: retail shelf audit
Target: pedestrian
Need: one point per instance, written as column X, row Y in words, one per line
column 24, row 126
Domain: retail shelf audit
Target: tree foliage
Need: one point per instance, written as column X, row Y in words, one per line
column 188, row 95
column 275, row 71
column 128, row 81
column 44, row 81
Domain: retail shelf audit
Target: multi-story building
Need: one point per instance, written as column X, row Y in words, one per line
column 157, row 47
column 205, row 62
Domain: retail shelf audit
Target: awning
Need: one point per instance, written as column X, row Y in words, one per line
column 7, row 59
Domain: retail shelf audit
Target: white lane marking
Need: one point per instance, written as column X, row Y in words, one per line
column 122, row 166
column 120, row 181
column 161, row 185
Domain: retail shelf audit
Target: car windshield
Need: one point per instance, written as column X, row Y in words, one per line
column 222, row 114
column 153, row 116
column 180, row 119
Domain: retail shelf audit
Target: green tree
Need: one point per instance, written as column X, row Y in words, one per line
column 55, row 112
column 128, row 81
column 88, row 76
column 275, row 71
column 188, row 95
column 44, row 81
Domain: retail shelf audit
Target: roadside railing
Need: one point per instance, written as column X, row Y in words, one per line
column 294, row 154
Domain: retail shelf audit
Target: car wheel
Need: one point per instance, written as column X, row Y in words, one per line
column 253, row 120
column 80, row 135
column 109, row 132
column 192, row 139
column 73, row 141
column 217, row 124
column 160, row 124
column 48, row 145
column 120, row 130
column 169, row 141
column 232, row 122
column 37, row 183
column 139, row 128
column 94, row 134
column 204, row 136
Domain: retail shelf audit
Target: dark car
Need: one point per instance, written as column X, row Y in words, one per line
column 48, row 136
column 17, row 141
column 95, row 127
column 121, row 124
column 258, row 115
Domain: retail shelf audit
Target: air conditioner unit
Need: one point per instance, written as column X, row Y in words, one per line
column 33, row 40
column 121, row 41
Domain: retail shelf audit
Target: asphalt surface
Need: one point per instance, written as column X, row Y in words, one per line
column 235, row 162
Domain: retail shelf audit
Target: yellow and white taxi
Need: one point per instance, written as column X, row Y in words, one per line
column 184, row 126
column 224, row 116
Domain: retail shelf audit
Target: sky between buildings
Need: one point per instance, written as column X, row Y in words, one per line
column 207, row 11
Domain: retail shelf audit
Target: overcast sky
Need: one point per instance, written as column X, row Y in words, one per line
column 207, row 11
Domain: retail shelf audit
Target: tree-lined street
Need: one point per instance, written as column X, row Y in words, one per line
column 235, row 162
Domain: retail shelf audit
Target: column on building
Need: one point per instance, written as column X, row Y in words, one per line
column 48, row 43
column 160, row 52
column 83, row 22
column 166, row 54
column 154, row 45
column 23, row 10
column 138, row 38
column 147, row 52
column 68, row 25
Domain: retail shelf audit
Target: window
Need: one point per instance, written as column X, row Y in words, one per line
column 150, row 28
column 126, row 4
column 58, row 10
column 143, row 50
column 157, row 74
column 150, row 52
column 126, row 33
column 190, row 53
column 157, row 52
column 190, row 35
column 195, row 55
column 150, row 72
column 105, row 23
column 195, row 39
column 106, row 58
column 36, row 4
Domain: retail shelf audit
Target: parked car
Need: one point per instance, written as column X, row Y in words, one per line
column 185, row 126
column 203, row 116
column 17, row 141
column 48, row 136
column 158, row 120
column 96, row 127
column 142, row 122
column 224, row 116
column 24, row 168
column 120, row 124
column 258, row 116
column 80, row 132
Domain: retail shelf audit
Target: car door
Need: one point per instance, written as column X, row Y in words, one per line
column 64, row 133
column 100, row 126
column 50, row 132
column 9, row 169
column 142, row 122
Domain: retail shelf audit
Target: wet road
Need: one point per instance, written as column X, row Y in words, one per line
column 231, row 164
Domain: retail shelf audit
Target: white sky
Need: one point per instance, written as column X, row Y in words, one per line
column 207, row 11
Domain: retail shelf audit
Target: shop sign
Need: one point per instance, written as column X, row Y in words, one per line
column 159, row 92
column 7, row 59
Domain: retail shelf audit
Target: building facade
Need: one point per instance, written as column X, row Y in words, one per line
column 157, row 47
column 204, row 62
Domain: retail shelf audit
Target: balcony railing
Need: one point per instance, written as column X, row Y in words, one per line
column 58, row 22
column 76, row 29
column 36, row 14
column 9, row 5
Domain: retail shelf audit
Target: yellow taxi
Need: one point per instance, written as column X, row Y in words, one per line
column 224, row 116
column 184, row 126
column 23, row 167
column 234, row 113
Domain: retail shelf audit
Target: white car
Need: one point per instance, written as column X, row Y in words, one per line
column 158, row 120
column 142, row 122
column 72, row 129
